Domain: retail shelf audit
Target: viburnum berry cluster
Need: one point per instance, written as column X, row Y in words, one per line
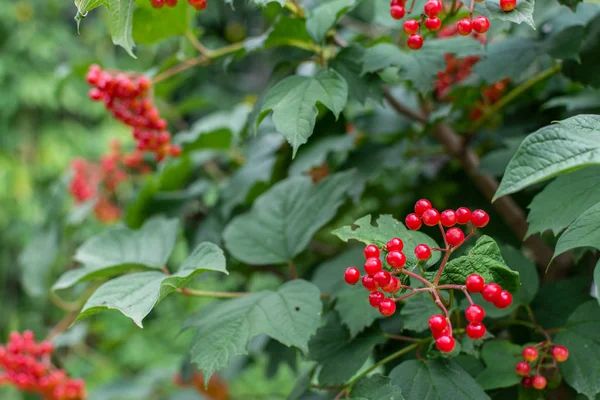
column 197, row 4
column 27, row 365
column 531, row 354
column 127, row 98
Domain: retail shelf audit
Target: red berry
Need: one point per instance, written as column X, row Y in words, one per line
column 474, row 313
column 95, row 94
column 530, row 353
column 397, row 3
column 393, row 286
column 413, row 222
column 437, row 322
column 422, row 252
column 433, row 23
column 475, row 330
column 431, row 217
column 352, row 275
column 438, row 334
column 382, row 278
column 508, row 5
column 491, row 291
column 198, row 4
column 464, row 26
column 397, row 12
column 527, row 382
column 170, row 3
column 373, row 265
column 560, row 353
column 481, row 24
column 411, row 26
column 375, row 298
column 455, row 236
column 157, row 3
column 463, row 215
column 448, row 218
column 503, row 300
column 480, row 218
column 445, row 343
column 523, row 368
column 475, row 283
column 396, row 259
column 421, row 206
column 175, row 150
column 369, row 283
column 432, row 8
column 371, row 251
column 394, row 244
column 539, row 382
column 387, row 307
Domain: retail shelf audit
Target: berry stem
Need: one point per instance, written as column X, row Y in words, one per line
column 438, row 276
column 412, row 6
column 466, row 292
column 208, row 293
column 403, row 338
column 192, row 62
column 471, row 9
column 444, row 235
column 416, row 276
column 293, row 272
column 197, row 45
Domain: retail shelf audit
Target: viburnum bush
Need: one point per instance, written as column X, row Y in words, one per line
column 311, row 199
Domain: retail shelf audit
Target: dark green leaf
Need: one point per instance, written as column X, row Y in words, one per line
column 329, row 274
column 375, row 387
column 416, row 312
column 37, row 259
column 324, row 16
column 315, row 153
column 583, row 70
column 491, row 8
column 528, row 274
column 552, row 311
column 583, row 232
column 348, row 63
column 121, row 22
column 500, row 358
column 354, row 309
column 597, row 280
column 508, row 58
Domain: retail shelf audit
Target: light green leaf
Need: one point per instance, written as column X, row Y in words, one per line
column 522, row 13
column 354, row 309
column 85, row 6
column 375, row 387
column 121, row 22
column 500, row 358
column 284, row 219
column 289, row 315
column 37, row 259
column 151, row 25
column 583, row 232
column 293, row 103
column 322, row 17
column 552, row 150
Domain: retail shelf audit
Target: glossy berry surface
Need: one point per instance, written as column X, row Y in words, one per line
column 463, row 215
column 198, row 4
column 422, row 252
column 413, row 222
column 421, row 206
column 396, row 259
column 481, row 24
column 439, row 334
column 387, row 307
column 411, row 26
column 464, row 26
column 503, row 300
column 433, row 24
column 527, row 382
column 445, row 344
column 455, row 236
column 437, row 322
column 480, row 218
column 475, row 330
column 475, row 283
column 432, row 8
column 415, row 42
column 491, row 291
column 369, row 283
column 448, row 218
column 352, row 275
column 382, row 278
column 371, row 251
column 508, row 5
column 522, row 368
column 373, row 266
column 431, row 217
column 375, row 298
column 530, row 353
column 393, row 286
column 395, row 244
column 539, row 382
column 560, row 353
column 474, row 313
column 397, row 12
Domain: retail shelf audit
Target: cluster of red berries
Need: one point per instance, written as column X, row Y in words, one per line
column 478, row 25
column 197, row 4
column 491, row 292
column 531, row 354
column 127, row 97
column 377, row 277
column 26, row 364
column 426, row 214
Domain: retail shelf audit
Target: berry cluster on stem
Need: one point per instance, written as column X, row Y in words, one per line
column 532, row 376
column 197, row 4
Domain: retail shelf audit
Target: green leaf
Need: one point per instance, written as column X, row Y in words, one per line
column 85, row 6
column 583, row 232
column 583, row 70
column 289, row 315
column 500, row 358
column 315, row 153
column 528, row 274
column 508, row 58
column 328, row 275
column 135, row 295
column 36, row 261
column 293, row 103
column 348, row 63
column 375, row 387
column 151, row 25
column 339, row 355
column 416, row 312
column 491, row 8
column 552, row 150
column 582, row 337
column 324, row 16
column 284, row 219
column 286, row 31
column 552, row 311
column 354, row 309
column 563, row 200
column 597, row 280
column 121, row 22
column 439, row 379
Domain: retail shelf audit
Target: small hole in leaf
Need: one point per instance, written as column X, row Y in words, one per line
column 297, row 308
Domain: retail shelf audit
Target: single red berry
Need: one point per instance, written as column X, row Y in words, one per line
column 382, row 278
column 464, row 26
column 480, row 218
column 397, row 12
column 198, row 4
column 175, row 150
column 539, row 382
column 395, row 244
column 437, row 322
column 491, row 291
column 481, row 24
column 157, row 3
column 393, row 286
column 508, row 5
column 373, row 265
column 474, row 313
column 455, row 236
column 475, row 330
column 387, row 307
column 352, row 275
column 503, row 300
column 421, row 206
column 438, row 334
column 523, row 368
column 527, row 382
column 171, row 3
column 411, row 26
column 375, row 298
column 422, row 252
column 431, row 217
column 433, row 23
column 432, row 8
column 369, row 283
column 530, row 353
column 413, row 222
column 396, row 259
column 560, row 353
column 475, row 283
column 397, row 3
column 448, row 218
column 463, row 215
column 95, row 94
column 371, row 251
column 445, row 344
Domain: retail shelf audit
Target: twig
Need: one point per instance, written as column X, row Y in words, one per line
column 192, row 62
column 209, row 293
column 293, row 272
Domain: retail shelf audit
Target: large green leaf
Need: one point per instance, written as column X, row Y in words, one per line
column 584, row 69
column 315, row 153
column 597, row 280
column 135, row 295
column 439, row 379
column 416, row 312
column 121, row 23
column 289, row 315
column 293, row 102
column 348, row 63
column 322, row 17
column 552, row 150
column 151, row 25
column 375, row 387
column 508, row 58
column 500, row 358
column 36, row 261
column 552, row 311
column 582, row 337
column 583, row 232
column 284, row 219
column 522, row 13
